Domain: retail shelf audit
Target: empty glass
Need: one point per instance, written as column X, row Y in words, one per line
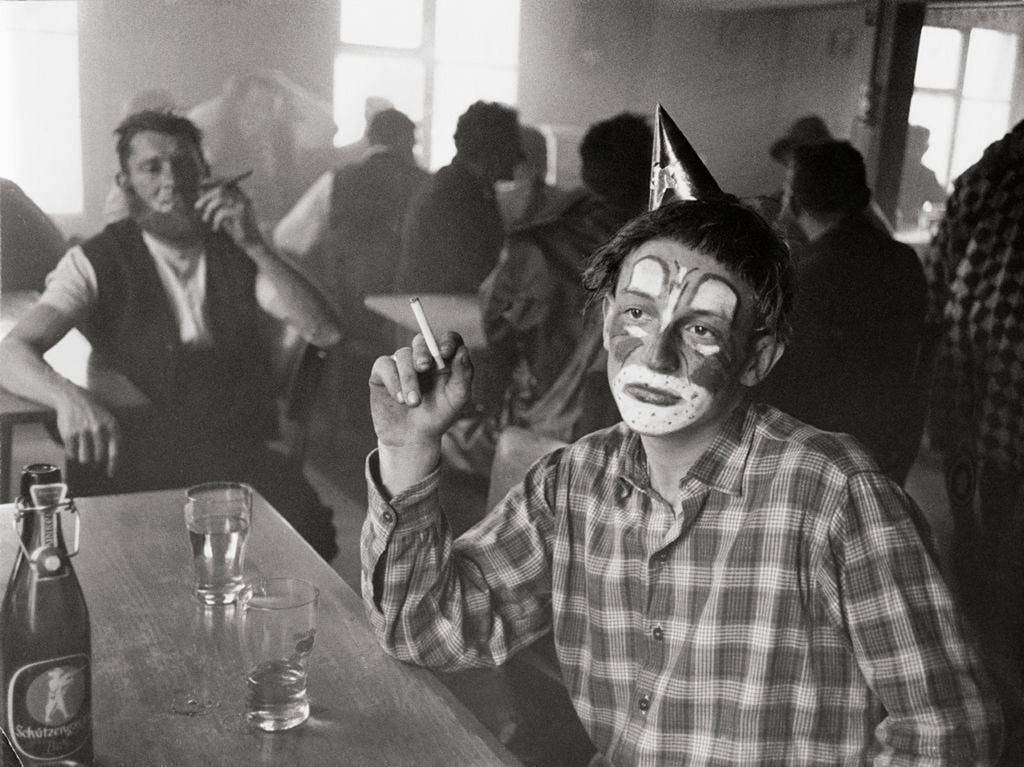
column 277, row 626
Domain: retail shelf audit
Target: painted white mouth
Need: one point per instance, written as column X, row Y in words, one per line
column 653, row 403
column 651, row 395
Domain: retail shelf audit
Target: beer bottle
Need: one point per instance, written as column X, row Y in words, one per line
column 44, row 635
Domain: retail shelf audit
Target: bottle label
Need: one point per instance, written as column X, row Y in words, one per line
column 48, row 707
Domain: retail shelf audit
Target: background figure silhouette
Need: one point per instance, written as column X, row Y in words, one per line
column 30, row 243
column 975, row 270
column 918, row 184
column 454, row 231
column 523, row 198
column 354, row 152
column 268, row 124
column 346, row 228
column 859, row 314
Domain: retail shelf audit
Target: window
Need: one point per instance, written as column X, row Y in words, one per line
column 430, row 58
column 40, row 133
column 963, row 90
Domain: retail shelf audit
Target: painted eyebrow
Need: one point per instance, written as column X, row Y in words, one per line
column 717, row 312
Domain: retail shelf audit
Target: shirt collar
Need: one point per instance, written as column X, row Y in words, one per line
column 721, row 466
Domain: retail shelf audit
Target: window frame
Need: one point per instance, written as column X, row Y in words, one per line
column 426, row 54
column 957, row 92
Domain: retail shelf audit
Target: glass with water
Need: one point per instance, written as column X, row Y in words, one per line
column 278, row 626
column 218, row 515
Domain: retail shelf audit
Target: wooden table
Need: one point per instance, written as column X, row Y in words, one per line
column 71, row 357
column 445, row 311
column 153, row 644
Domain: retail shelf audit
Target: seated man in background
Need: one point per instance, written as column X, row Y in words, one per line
column 725, row 584
column 534, row 305
column 454, row 232
column 171, row 298
column 858, row 324
column 345, row 231
column 528, row 194
column 345, row 234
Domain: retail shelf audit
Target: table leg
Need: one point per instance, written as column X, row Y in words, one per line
column 6, row 443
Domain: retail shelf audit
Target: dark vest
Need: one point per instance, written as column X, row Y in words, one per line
column 211, row 395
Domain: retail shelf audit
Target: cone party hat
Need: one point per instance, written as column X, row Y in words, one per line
column 677, row 173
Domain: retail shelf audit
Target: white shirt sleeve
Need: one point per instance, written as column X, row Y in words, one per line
column 305, row 223
column 71, row 286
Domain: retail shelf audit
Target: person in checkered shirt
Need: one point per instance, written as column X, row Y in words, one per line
column 725, row 584
column 975, row 270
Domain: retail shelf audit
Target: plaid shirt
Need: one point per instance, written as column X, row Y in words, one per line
column 789, row 615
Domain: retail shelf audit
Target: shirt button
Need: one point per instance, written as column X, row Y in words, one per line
column 388, row 517
column 658, row 633
column 662, row 557
column 644, row 703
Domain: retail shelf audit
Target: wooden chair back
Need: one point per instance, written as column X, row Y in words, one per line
column 297, row 369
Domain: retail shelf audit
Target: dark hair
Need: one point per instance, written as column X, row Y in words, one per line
column 724, row 229
column 810, row 129
column 484, row 126
column 616, row 159
column 829, row 178
column 159, row 121
column 392, row 128
column 535, row 149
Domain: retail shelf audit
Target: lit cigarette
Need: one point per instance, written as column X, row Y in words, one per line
column 428, row 336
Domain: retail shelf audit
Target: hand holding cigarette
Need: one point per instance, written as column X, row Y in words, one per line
column 416, row 394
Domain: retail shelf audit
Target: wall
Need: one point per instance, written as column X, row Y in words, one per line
column 733, row 81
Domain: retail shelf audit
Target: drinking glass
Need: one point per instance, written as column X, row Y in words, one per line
column 218, row 515
column 278, row 626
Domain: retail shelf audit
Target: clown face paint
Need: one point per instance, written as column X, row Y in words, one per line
column 675, row 330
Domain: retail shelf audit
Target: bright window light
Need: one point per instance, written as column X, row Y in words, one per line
column 475, row 32
column 937, row 112
column 431, row 74
column 980, row 123
column 991, row 59
column 40, row 118
column 384, row 23
column 357, row 76
column 938, row 58
column 457, row 86
column 963, row 87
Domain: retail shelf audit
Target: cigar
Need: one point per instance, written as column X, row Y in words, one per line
column 428, row 335
column 212, row 182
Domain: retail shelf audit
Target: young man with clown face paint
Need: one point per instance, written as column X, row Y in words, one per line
column 724, row 584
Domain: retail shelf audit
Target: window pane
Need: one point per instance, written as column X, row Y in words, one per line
column 936, row 113
column 470, row 31
column 455, row 88
column 40, row 120
column 991, row 62
column 357, row 76
column 938, row 58
column 388, row 23
column 980, row 123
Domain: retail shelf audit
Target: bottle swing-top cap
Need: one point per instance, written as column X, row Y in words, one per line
column 48, row 497
column 677, row 173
